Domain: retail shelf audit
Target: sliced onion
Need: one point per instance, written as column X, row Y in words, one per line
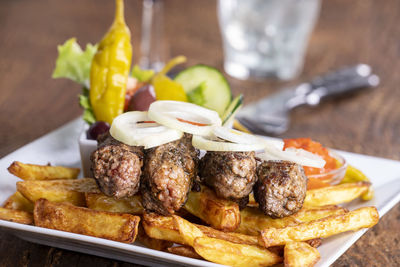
column 204, row 143
column 277, row 143
column 299, row 156
column 161, row 138
column 239, row 137
column 132, row 128
column 179, row 115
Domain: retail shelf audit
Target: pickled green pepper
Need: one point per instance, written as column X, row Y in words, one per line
column 110, row 69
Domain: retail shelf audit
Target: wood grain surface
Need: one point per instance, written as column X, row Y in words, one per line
column 348, row 32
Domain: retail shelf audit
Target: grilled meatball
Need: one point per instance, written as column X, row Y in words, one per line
column 281, row 188
column 117, row 167
column 168, row 173
column 231, row 174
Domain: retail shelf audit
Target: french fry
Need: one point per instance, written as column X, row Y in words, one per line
column 17, row 216
column 314, row 242
column 99, row 201
column 220, row 213
column 18, row 202
column 315, row 213
column 252, row 201
column 42, row 172
column 335, row 194
column 325, row 227
column 224, row 252
column 300, row 254
column 188, row 231
column 229, row 236
column 72, row 191
column 254, row 220
column 163, row 227
column 279, row 249
column 185, row 251
column 193, row 236
column 152, row 243
column 66, row 217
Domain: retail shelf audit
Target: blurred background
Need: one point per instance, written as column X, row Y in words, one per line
column 345, row 33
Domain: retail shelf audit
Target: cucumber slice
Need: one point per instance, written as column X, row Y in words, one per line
column 231, row 110
column 206, row 86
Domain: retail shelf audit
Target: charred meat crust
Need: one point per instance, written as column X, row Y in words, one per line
column 281, row 188
column 242, row 202
column 168, row 174
column 116, row 167
column 231, row 174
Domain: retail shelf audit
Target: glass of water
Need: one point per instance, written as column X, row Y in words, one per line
column 152, row 39
column 264, row 38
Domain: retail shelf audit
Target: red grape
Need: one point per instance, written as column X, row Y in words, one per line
column 96, row 129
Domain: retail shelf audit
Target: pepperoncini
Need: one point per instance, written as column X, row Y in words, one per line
column 355, row 175
column 110, row 68
column 164, row 87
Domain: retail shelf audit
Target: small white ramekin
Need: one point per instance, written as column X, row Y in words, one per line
column 86, row 147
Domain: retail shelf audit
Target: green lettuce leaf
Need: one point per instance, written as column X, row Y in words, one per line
column 84, row 102
column 73, row 63
column 142, row 75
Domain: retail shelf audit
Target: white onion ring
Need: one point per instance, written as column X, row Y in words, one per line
column 235, row 136
column 126, row 129
column 204, row 143
column 168, row 112
column 239, row 137
column 158, row 139
column 299, row 156
column 277, row 143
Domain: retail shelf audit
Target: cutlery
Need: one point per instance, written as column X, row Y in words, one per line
column 271, row 115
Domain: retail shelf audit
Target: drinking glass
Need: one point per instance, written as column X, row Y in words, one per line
column 152, row 39
column 264, row 38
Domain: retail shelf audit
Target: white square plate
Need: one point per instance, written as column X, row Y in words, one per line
column 60, row 147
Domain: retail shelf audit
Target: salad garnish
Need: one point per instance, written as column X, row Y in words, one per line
column 110, row 88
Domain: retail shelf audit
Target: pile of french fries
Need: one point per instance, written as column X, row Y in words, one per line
column 207, row 228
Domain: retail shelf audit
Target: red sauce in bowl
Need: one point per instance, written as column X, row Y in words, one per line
column 314, row 147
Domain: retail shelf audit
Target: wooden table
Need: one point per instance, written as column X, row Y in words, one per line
column 31, row 103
